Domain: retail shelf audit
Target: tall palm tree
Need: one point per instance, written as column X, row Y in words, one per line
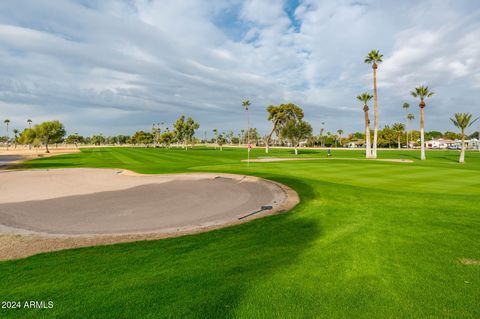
column 398, row 128
column 463, row 121
column 410, row 118
column 422, row 92
column 246, row 106
column 7, row 122
column 365, row 98
column 340, row 133
column 406, row 106
column 29, row 121
column 374, row 58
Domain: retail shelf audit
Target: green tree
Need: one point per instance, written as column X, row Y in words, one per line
column 221, row 140
column 253, row 134
column 142, row 138
column 28, row 136
column 190, row 127
column 422, row 92
column 463, row 121
column 279, row 115
column 365, row 98
column 374, row 58
column 74, row 139
column 399, row 128
column 295, row 131
column 179, row 130
column 98, row 139
column 167, row 138
column 387, row 136
column 50, row 132
column 433, row 135
column 340, row 133
column 451, row 135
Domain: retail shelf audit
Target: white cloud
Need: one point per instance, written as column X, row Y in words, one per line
column 117, row 66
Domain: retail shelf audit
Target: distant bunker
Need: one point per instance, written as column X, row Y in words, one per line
column 81, row 201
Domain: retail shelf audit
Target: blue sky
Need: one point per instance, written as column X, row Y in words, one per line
column 118, row 66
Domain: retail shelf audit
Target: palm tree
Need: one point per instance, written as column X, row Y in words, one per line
column 7, row 122
column 374, row 58
column 15, row 132
column 29, row 121
column 246, row 106
column 398, row 128
column 406, row 106
column 463, row 121
column 422, row 92
column 410, row 117
column 365, row 98
column 340, row 133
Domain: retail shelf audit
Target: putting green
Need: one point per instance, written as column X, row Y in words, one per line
column 368, row 240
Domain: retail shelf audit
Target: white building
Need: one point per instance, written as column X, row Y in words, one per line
column 473, row 144
column 439, row 143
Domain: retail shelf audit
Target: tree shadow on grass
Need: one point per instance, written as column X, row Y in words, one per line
column 203, row 275
column 40, row 164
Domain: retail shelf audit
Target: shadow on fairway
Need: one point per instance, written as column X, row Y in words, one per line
column 38, row 164
column 203, row 275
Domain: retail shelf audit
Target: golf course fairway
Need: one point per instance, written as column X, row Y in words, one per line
column 369, row 239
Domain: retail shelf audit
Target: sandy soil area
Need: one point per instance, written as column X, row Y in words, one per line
column 280, row 159
column 45, row 210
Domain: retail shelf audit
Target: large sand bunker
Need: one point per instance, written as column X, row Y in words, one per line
column 98, row 201
column 44, row 210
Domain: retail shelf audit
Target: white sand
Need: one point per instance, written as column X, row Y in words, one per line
column 62, row 202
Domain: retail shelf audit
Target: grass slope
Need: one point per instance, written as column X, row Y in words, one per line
column 369, row 240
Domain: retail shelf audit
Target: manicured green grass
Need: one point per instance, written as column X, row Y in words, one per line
column 369, row 240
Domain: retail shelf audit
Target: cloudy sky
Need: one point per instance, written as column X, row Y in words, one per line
column 118, row 66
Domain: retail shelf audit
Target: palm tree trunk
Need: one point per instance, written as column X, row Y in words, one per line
column 462, row 153
column 398, row 140
column 406, row 130
column 269, row 137
column 375, row 111
column 422, row 134
column 368, row 153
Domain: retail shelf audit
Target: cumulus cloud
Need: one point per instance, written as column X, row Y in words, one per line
column 118, row 66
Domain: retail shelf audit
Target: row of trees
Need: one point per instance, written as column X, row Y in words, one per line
column 390, row 136
column 460, row 120
column 53, row 132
